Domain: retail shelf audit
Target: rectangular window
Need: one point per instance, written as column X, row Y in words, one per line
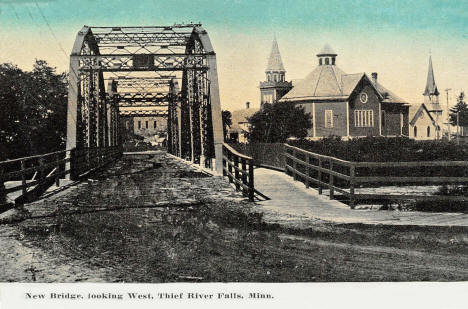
column 328, row 118
column 146, row 124
column 364, row 118
column 268, row 98
column 154, row 125
column 139, row 124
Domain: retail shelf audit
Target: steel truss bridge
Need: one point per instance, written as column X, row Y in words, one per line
column 167, row 71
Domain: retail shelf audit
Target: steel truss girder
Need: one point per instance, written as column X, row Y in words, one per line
column 152, row 62
column 194, row 112
column 143, row 113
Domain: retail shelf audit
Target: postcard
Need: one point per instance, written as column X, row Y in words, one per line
column 233, row 154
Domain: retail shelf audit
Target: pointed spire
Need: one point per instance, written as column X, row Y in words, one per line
column 431, row 87
column 275, row 64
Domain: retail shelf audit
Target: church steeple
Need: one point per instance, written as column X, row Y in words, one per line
column 275, row 86
column 275, row 70
column 431, row 93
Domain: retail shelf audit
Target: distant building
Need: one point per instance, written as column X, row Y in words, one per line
column 422, row 125
column 240, row 124
column 275, row 86
column 348, row 105
column 427, row 120
column 151, row 128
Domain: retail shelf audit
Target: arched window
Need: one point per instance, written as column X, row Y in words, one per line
column 327, row 60
column 415, row 131
column 428, row 131
column 333, row 60
column 268, row 77
column 320, row 61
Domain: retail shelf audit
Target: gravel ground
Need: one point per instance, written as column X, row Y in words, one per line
column 153, row 218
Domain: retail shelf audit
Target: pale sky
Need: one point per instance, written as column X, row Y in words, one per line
column 393, row 38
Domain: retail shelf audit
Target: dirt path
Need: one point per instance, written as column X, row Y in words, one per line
column 153, row 218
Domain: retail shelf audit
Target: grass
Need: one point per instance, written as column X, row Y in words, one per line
column 222, row 243
column 221, row 240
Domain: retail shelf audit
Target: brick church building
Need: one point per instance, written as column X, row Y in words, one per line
column 346, row 105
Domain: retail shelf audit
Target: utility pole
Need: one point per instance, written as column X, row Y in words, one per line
column 448, row 113
column 458, row 126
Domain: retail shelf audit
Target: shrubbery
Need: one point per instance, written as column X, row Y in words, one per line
column 385, row 149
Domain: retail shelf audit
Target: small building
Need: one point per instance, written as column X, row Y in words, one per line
column 422, row 125
column 348, row 105
column 151, row 128
column 427, row 120
column 240, row 124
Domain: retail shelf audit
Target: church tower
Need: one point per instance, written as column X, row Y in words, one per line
column 431, row 96
column 431, row 93
column 275, row 86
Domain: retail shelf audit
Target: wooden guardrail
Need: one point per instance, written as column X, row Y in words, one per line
column 35, row 174
column 326, row 172
column 239, row 169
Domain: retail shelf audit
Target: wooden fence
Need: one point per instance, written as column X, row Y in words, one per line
column 35, row 174
column 239, row 169
column 343, row 177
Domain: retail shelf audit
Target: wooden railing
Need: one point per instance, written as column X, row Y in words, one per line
column 35, row 174
column 239, row 169
column 327, row 172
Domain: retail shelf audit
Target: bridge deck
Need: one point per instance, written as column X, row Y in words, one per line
column 292, row 202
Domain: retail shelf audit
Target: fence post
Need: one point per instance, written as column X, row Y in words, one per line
column 307, row 171
column 352, row 172
column 23, row 178
column 2, row 187
column 225, row 164
column 236, row 172
column 229, row 156
column 244, row 176
column 42, row 174
column 319, row 176
column 251, row 180
column 58, row 169
column 294, row 165
column 73, row 165
column 331, row 182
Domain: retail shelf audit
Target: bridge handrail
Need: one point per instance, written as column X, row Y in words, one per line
column 48, row 168
column 243, row 174
column 322, row 170
column 34, row 157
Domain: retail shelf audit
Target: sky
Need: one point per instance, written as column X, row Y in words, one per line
column 393, row 38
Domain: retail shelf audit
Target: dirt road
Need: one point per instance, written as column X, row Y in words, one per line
column 152, row 218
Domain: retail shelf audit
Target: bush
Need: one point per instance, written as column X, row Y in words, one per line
column 385, row 149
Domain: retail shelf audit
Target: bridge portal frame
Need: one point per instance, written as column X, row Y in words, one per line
column 195, row 110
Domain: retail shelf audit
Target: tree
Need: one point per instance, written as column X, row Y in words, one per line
column 462, row 109
column 33, row 109
column 227, row 122
column 274, row 123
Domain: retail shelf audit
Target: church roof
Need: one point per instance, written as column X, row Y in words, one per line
column 388, row 96
column 327, row 51
column 328, row 82
column 323, row 81
column 422, row 109
column 431, row 87
column 274, row 62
